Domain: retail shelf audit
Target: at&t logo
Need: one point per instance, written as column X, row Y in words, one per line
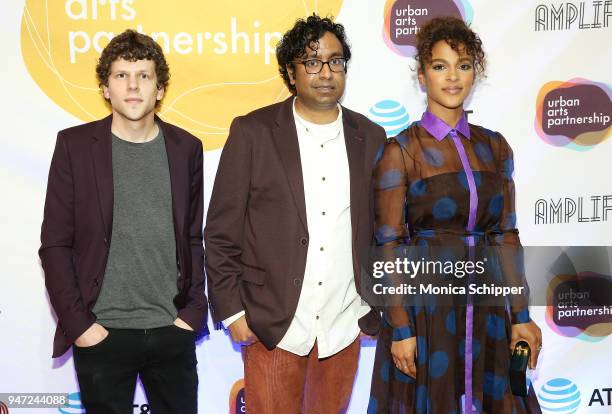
column 560, row 396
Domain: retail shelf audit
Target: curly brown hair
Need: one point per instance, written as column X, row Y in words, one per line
column 456, row 33
column 132, row 46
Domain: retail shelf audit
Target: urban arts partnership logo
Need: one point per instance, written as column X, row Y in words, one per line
column 578, row 306
column 403, row 19
column 575, row 114
column 391, row 115
column 570, row 15
column 221, row 54
column 560, row 396
column 236, row 399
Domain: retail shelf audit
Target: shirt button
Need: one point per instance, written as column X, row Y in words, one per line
column 297, row 281
column 322, row 178
column 323, row 213
column 105, row 240
column 96, row 283
column 321, row 145
column 317, row 317
column 320, row 283
column 303, row 241
column 321, row 248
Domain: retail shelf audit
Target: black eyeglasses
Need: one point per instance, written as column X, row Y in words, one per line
column 314, row 66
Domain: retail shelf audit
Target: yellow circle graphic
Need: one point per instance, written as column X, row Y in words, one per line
column 221, row 54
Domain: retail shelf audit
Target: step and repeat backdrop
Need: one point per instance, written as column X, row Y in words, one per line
column 547, row 89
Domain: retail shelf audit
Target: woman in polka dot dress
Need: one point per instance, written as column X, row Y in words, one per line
column 441, row 182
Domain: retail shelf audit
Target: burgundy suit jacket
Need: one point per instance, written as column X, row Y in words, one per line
column 78, row 217
column 256, row 234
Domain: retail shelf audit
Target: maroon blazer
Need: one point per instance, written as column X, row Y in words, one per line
column 78, row 217
column 256, row 234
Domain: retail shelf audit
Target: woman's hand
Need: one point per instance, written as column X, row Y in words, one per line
column 530, row 333
column 404, row 354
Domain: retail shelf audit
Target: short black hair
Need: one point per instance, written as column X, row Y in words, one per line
column 303, row 34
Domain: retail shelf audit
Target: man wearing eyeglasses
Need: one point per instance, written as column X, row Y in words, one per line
column 289, row 213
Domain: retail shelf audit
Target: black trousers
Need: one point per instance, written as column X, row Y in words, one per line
column 163, row 357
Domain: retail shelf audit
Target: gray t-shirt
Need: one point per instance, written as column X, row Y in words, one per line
column 141, row 272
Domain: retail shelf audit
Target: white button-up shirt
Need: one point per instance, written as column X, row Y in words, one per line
column 329, row 306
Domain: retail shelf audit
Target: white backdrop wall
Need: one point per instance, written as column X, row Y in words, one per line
column 536, row 51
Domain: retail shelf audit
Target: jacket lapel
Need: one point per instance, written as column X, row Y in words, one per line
column 179, row 172
column 101, row 153
column 286, row 141
column 355, row 149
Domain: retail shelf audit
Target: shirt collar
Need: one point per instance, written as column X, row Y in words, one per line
column 440, row 129
column 320, row 130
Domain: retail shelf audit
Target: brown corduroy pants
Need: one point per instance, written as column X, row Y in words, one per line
column 279, row 381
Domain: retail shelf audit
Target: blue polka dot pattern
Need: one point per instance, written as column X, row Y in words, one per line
column 438, row 196
column 438, row 364
column 430, row 305
column 390, row 179
column 384, row 370
column 451, row 322
column 496, row 327
column 509, row 221
column 444, row 209
column 478, row 404
column 508, row 168
column 493, row 266
column 372, row 406
column 494, row 385
column 421, row 350
column 422, row 401
column 418, row 188
column 519, row 260
column 462, row 177
column 379, row 154
column 483, row 151
column 495, row 205
column 433, row 157
column 400, row 376
column 417, row 307
column 385, row 234
column 403, row 140
column 489, row 133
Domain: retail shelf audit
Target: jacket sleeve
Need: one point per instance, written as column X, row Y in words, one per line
column 195, row 312
column 56, row 251
column 225, row 224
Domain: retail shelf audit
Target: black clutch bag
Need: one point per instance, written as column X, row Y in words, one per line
column 518, row 368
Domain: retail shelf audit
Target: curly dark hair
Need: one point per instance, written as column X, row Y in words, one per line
column 132, row 46
column 456, row 33
column 306, row 33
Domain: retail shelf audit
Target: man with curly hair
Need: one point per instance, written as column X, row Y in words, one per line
column 121, row 241
column 289, row 214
